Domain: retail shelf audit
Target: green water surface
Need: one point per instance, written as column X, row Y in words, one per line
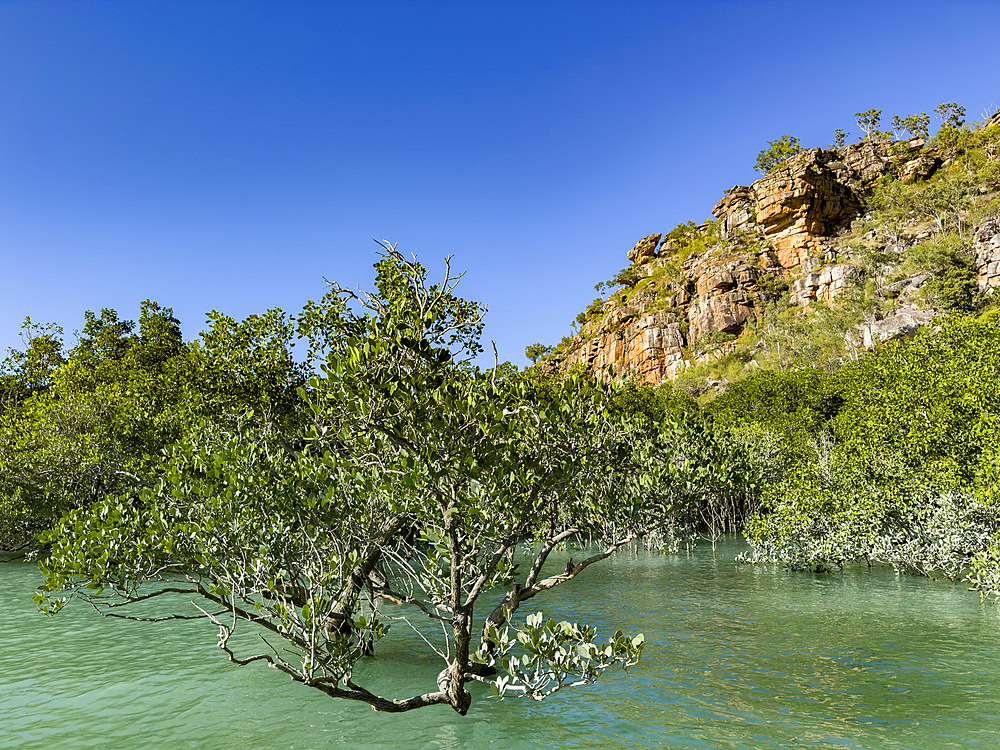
column 736, row 657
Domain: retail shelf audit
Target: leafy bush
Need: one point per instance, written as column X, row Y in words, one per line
column 772, row 285
column 777, row 153
column 953, row 284
column 711, row 340
column 800, row 403
column 564, row 344
column 913, row 435
column 828, row 513
column 629, row 276
column 955, row 288
column 655, row 403
column 706, row 380
column 535, row 352
column 688, row 239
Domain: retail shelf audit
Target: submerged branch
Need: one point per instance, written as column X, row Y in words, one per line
column 506, row 609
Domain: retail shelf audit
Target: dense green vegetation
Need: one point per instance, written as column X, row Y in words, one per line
column 308, row 494
column 384, row 471
column 167, row 453
column 91, row 422
column 891, row 459
column 879, row 456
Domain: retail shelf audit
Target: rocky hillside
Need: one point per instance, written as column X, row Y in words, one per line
column 861, row 243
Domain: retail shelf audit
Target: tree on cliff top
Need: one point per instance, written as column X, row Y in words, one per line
column 916, row 125
column 777, row 153
column 951, row 114
column 535, row 352
column 868, row 122
column 416, row 487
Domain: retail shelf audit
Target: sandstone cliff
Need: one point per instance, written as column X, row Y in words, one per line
column 797, row 236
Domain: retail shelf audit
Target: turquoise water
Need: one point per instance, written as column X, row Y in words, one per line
column 737, row 657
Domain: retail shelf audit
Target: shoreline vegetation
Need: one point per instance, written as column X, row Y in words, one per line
column 301, row 492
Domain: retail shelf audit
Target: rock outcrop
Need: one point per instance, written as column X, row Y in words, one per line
column 647, row 347
column 904, row 323
column 814, row 194
column 692, row 291
column 822, row 285
column 644, row 249
column 987, row 258
column 801, row 203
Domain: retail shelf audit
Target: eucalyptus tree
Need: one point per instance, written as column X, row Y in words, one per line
column 868, row 122
column 416, row 492
column 916, row 125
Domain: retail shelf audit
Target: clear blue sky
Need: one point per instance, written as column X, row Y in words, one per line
column 229, row 155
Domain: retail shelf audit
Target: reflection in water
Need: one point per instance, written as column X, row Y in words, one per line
column 736, row 657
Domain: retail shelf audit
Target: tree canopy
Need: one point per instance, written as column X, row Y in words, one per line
column 401, row 487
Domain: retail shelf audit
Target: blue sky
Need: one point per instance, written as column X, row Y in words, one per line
column 230, row 155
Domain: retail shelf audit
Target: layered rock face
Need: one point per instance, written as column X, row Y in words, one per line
column 794, row 207
column 780, row 232
column 646, row 347
column 646, row 337
column 824, row 285
column 800, row 205
column 724, row 297
column 988, row 255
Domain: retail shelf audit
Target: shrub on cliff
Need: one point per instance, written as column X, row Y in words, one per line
column 777, row 153
column 955, row 288
column 535, row 352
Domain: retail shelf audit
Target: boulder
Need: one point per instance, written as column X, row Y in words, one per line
column 919, row 168
column 716, row 280
column 904, row 323
column 645, row 249
column 727, row 312
column 910, row 283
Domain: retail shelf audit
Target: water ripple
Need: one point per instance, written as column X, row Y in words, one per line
column 736, row 658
